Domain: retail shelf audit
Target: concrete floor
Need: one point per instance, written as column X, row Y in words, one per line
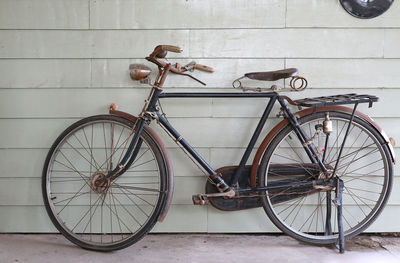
column 199, row 248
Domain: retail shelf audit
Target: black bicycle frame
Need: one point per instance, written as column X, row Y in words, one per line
column 132, row 151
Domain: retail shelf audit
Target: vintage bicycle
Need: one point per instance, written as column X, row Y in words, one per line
column 322, row 174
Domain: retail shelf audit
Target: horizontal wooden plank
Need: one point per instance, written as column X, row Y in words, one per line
column 255, row 220
column 22, row 162
column 221, row 157
column 115, row 73
column 252, row 220
column 19, row 163
column 183, row 218
column 40, row 133
column 348, row 73
column 276, row 43
column 392, row 42
column 136, row 43
column 25, row 219
column 204, row 132
column 78, row 103
column 27, row 191
column 321, row 73
column 86, row 44
column 290, row 43
column 305, row 13
column 108, row 73
column 34, row 219
column 44, row 14
column 134, row 14
column 45, row 44
column 43, row 73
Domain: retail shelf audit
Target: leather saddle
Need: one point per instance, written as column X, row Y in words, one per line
column 273, row 75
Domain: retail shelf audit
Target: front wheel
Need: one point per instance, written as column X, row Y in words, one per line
column 309, row 213
column 97, row 214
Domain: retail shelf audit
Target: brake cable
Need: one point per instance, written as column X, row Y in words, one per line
column 188, row 75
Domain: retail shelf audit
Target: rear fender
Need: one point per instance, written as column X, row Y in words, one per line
column 165, row 154
column 283, row 123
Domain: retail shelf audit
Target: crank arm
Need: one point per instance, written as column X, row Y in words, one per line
column 202, row 199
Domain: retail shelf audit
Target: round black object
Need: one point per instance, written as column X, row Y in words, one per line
column 366, row 8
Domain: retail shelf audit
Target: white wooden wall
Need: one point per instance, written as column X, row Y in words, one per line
column 61, row 60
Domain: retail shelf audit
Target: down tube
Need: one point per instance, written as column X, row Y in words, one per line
column 185, row 144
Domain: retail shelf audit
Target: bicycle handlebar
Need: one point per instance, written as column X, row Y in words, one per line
column 161, row 51
column 203, row 68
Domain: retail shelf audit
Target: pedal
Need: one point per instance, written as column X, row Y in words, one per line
column 200, row 199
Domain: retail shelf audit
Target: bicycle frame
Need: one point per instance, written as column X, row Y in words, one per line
column 151, row 112
column 273, row 98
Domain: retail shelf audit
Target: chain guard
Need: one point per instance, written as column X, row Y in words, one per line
column 253, row 200
column 235, row 203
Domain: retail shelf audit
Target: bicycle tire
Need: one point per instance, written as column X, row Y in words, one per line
column 130, row 205
column 284, row 211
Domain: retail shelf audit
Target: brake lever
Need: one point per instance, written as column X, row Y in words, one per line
column 190, row 66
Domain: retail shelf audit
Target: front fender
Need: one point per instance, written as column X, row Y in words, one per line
column 302, row 113
column 165, row 154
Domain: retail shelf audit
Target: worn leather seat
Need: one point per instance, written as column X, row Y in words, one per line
column 273, row 75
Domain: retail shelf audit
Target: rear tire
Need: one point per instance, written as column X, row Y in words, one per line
column 365, row 167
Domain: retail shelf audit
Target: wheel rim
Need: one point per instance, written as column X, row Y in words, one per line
column 363, row 168
column 109, row 213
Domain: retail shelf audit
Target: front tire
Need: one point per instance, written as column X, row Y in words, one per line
column 110, row 215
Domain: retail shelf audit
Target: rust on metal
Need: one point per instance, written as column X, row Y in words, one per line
column 164, row 76
column 272, row 75
column 283, row 123
column 139, row 71
column 113, row 106
column 296, row 87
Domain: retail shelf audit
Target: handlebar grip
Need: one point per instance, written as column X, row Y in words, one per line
column 204, row 68
column 160, row 51
column 171, row 48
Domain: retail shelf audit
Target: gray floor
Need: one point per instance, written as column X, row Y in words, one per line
column 199, row 248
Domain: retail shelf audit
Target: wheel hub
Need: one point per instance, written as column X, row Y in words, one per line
column 97, row 184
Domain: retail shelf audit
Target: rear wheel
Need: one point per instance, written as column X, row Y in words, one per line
column 365, row 168
column 96, row 214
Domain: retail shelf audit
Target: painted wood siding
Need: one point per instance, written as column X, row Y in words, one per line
column 61, row 60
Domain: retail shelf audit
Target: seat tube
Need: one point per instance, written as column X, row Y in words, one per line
column 253, row 140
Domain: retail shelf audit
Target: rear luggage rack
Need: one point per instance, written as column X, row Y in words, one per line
column 351, row 98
